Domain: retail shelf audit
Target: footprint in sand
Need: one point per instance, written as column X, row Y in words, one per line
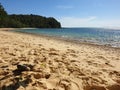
column 67, row 84
column 114, row 87
column 94, row 88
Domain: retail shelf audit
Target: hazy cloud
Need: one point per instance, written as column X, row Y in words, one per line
column 91, row 21
column 113, row 23
column 76, row 22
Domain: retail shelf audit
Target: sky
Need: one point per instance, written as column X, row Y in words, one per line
column 70, row 13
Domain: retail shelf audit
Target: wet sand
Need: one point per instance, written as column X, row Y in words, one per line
column 29, row 62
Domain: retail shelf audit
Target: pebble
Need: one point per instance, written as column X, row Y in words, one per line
column 23, row 67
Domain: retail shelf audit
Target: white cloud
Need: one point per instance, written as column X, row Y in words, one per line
column 91, row 21
column 64, row 7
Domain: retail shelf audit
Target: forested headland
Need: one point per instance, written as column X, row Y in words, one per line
column 24, row 21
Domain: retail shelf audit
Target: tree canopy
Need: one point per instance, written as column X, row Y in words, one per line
column 19, row 21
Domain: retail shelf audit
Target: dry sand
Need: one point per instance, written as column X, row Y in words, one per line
column 29, row 62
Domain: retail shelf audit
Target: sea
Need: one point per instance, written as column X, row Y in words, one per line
column 101, row 36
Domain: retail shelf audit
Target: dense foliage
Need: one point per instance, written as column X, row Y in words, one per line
column 35, row 21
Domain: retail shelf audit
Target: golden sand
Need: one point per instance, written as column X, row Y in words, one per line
column 29, row 62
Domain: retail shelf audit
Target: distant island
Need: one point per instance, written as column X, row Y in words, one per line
column 26, row 21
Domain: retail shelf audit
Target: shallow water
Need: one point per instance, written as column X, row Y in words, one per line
column 93, row 35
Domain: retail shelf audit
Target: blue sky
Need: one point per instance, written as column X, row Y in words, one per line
column 71, row 13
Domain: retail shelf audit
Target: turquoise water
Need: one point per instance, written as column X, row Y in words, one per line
column 92, row 35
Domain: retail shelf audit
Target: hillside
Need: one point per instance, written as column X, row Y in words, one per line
column 22, row 21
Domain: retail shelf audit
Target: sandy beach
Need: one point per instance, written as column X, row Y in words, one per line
column 29, row 62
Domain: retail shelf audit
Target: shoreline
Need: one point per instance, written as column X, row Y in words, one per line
column 69, row 41
column 63, row 39
column 60, row 38
column 72, row 41
column 34, row 62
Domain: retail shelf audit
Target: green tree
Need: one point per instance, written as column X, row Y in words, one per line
column 31, row 20
column 2, row 11
column 3, row 16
